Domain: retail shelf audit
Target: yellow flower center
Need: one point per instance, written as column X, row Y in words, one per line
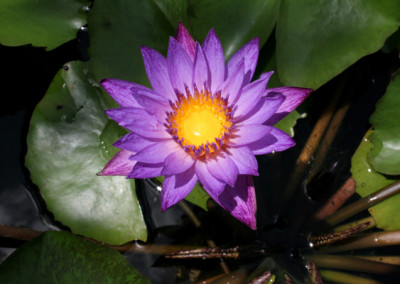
column 200, row 123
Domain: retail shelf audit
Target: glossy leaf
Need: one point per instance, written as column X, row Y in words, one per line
column 117, row 31
column 317, row 40
column 235, row 21
column 41, row 22
column 386, row 213
column 385, row 156
column 61, row 257
column 68, row 144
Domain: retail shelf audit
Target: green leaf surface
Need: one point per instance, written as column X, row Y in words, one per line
column 119, row 28
column 41, row 22
column 316, row 39
column 69, row 142
column 368, row 181
column 61, row 257
column 235, row 21
column 117, row 31
column 385, row 156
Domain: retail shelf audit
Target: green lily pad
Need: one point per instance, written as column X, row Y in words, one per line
column 119, row 28
column 317, row 40
column 61, row 257
column 385, row 156
column 235, row 21
column 68, row 144
column 386, row 213
column 41, row 22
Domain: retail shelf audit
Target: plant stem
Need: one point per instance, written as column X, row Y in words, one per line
column 353, row 264
column 341, row 277
column 363, row 204
column 362, row 241
column 370, row 220
column 336, row 201
column 381, row 258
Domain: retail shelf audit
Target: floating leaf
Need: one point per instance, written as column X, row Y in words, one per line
column 61, row 257
column 385, row 156
column 68, row 144
column 41, row 22
column 235, row 21
column 386, row 213
column 317, row 40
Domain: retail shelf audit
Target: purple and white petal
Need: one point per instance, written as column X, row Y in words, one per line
column 134, row 142
column 240, row 201
column 119, row 165
column 185, row 39
column 244, row 160
column 212, row 49
column 139, row 121
column 264, row 109
column 293, row 98
column 276, row 140
column 152, row 103
column 209, row 182
column 158, row 152
column 250, row 54
column 120, row 91
column 180, row 67
column 157, row 72
column 251, row 95
column 177, row 187
column 177, row 162
column 222, row 168
column 144, row 170
column 248, row 133
column 201, row 72
column 231, row 88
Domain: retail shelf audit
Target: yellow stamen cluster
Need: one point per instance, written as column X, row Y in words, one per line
column 200, row 123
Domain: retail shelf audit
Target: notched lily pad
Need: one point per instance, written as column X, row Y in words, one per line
column 368, row 181
column 61, row 257
column 66, row 149
column 385, row 156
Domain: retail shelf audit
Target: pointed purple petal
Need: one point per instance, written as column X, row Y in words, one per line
column 143, row 170
column 185, row 39
column 293, row 98
column 121, row 92
column 232, row 86
column 180, row 67
column 266, row 107
column 212, row 49
column 250, row 54
column 177, row 163
column 251, row 95
column 246, row 134
column 138, row 121
column 119, row 165
column 244, row 160
column 177, row 187
column 222, row 168
column 157, row 72
column 158, row 152
column 276, row 140
column 209, row 182
column 152, row 103
column 201, row 72
column 240, row 201
column 134, row 142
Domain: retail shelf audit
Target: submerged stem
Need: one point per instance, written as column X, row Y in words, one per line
column 363, row 204
column 353, row 264
column 342, row 277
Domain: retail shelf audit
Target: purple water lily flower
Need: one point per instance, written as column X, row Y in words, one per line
column 202, row 121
